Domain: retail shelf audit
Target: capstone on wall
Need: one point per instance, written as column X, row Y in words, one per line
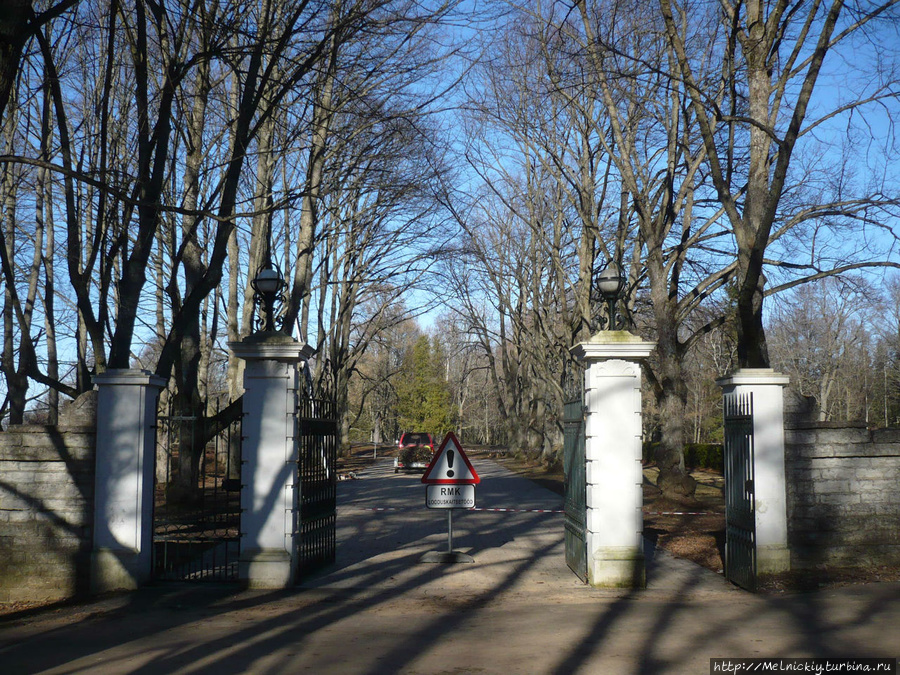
column 843, row 490
column 46, row 506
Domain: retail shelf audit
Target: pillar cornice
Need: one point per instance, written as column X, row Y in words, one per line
column 129, row 376
column 754, row 377
column 613, row 344
column 271, row 347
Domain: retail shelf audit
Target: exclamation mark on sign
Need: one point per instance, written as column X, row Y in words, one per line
column 450, row 463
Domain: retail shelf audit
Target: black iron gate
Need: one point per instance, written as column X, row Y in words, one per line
column 740, row 522
column 318, row 422
column 576, row 487
column 197, row 499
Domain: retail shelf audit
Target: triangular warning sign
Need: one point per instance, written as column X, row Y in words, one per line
column 450, row 466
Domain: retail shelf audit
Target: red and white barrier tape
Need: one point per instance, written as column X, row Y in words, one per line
column 519, row 510
column 477, row 508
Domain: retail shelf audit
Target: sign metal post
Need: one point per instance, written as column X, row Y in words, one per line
column 450, row 479
column 449, row 530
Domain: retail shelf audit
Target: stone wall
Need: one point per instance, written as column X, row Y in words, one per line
column 46, row 506
column 843, row 489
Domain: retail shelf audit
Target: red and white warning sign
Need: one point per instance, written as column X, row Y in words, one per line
column 450, row 466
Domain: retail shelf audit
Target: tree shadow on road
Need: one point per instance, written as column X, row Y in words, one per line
column 380, row 610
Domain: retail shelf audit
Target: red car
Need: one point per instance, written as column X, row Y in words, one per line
column 414, row 451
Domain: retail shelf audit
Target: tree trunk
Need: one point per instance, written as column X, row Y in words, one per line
column 673, row 479
column 50, row 314
column 15, row 16
column 16, row 373
column 298, row 303
column 189, row 401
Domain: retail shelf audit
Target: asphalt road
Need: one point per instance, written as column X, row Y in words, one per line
column 516, row 609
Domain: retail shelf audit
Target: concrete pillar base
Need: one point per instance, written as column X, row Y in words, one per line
column 123, row 481
column 270, row 568
column 772, row 559
column 617, row 567
column 118, row 570
column 270, row 485
column 770, row 490
column 613, row 471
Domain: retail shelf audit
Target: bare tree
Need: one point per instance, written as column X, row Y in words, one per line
column 653, row 143
column 155, row 181
column 542, row 215
column 18, row 24
column 756, row 107
column 816, row 334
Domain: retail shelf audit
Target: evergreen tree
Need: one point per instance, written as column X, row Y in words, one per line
column 423, row 396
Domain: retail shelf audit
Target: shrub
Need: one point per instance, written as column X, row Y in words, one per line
column 704, row 456
column 696, row 455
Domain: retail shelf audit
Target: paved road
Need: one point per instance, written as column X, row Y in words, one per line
column 516, row 609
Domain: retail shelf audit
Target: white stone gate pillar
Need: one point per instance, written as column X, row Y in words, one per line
column 615, row 498
column 123, row 484
column 770, row 500
column 269, row 472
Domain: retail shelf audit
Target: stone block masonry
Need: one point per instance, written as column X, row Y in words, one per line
column 843, row 490
column 46, row 507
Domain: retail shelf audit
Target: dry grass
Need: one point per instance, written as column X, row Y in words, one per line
column 673, row 526
column 17, row 607
column 691, row 528
column 360, row 457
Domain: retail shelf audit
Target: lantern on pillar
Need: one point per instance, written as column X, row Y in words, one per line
column 610, row 283
column 268, row 286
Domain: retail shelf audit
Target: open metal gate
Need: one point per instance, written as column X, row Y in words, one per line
column 318, row 426
column 576, row 487
column 740, row 521
column 197, row 499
